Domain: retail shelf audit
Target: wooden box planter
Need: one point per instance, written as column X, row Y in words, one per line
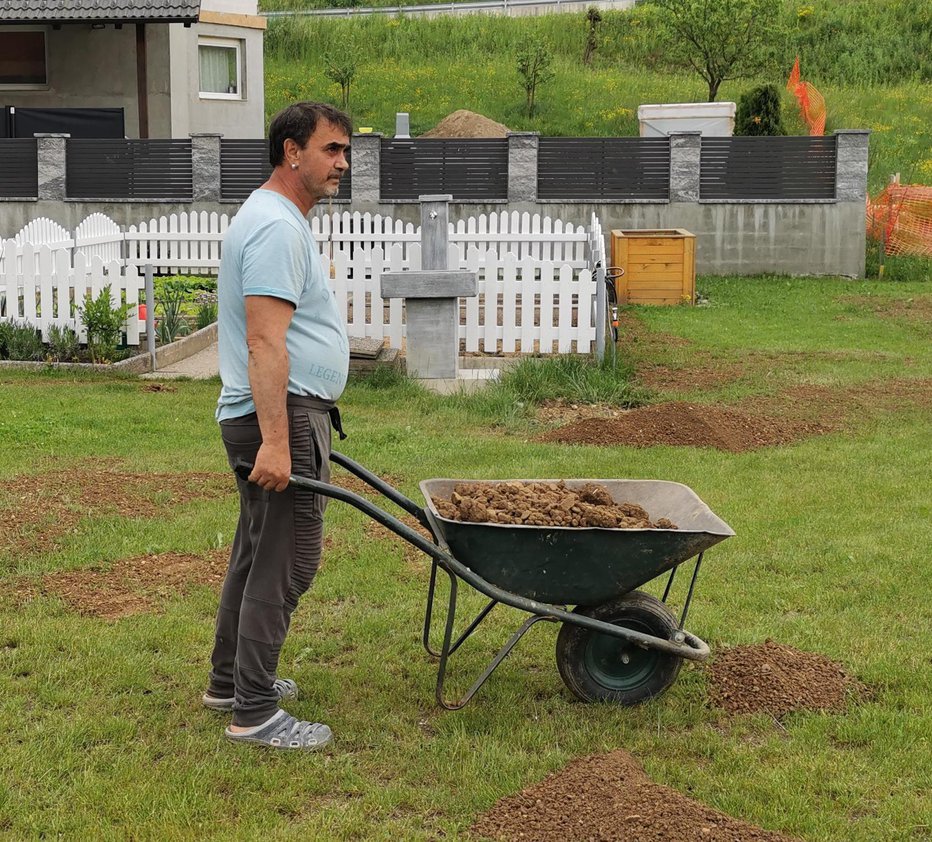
column 659, row 266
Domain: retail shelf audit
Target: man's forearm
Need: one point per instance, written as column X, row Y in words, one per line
column 268, row 380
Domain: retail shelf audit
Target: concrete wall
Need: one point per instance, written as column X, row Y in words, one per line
column 190, row 113
column 817, row 237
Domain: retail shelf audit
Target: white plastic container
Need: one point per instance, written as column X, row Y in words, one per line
column 712, row 119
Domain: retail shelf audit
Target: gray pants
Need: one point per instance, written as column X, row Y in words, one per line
column 276, row 553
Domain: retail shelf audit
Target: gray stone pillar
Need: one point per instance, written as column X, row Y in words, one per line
column 684, row 166
column 52, row 165
column 851, row 165
column 522, row 166
column 366, row 167
column 432, row 298
column 205, row 161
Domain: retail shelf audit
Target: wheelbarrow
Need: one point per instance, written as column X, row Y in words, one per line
column 617, row 644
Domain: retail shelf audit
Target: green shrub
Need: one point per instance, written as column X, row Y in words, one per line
column 63, row 344
column 104, row 324
column 20, row 341
column 759, row 112
column 171, row 324
column 188, row 286
column 206, row 309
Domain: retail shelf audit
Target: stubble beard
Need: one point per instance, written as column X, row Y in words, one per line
column 327, row 190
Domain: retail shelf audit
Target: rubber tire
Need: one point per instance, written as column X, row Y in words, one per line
column 589, row 662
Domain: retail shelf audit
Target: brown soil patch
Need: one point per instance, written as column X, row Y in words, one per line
column 465, row 123
column 38, row 510
column 863, row 400
column 697, row 377
column 159, row 387
column 561, row 412
column 776, row 679
column 544, row 504
column 132, row 585
column 796, row 413
column 608, row 797
column 916, row 310
column 685, row 424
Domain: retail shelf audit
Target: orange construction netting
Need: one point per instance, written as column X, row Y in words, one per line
column 901, row 218
column 811, row 102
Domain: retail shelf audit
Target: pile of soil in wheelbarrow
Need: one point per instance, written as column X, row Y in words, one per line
column 544, row 504
column 609, row 797
column 776, row 679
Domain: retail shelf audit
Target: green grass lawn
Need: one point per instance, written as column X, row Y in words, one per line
column 103, row 735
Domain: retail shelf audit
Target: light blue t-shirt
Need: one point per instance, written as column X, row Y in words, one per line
column 269, row 250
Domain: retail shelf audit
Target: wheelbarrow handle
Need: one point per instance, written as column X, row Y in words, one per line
column 243, row 469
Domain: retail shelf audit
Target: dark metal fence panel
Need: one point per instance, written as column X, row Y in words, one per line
column 129, row 169
column 244, row 165
column 19, row 168
column 767, row 168
column 603, row 168
column 467, row 168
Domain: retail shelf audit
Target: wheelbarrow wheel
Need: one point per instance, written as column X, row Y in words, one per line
column 601, row 668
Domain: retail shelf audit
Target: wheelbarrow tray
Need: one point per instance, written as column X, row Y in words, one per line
column 581, row 566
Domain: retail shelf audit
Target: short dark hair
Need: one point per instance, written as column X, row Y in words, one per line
column 299, row 122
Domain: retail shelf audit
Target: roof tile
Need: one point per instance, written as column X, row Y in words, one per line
column 17, row 11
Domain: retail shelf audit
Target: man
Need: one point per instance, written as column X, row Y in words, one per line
column 284, row 358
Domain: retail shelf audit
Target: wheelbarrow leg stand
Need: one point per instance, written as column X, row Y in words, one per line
column 449, row 646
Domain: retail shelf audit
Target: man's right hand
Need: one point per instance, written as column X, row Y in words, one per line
column 272, row 469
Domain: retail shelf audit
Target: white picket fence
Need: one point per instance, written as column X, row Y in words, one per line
column 523, row 304
column 521, row 234
column 184, row 243
column 190, row 243
column 536, row 278
column 43, row 288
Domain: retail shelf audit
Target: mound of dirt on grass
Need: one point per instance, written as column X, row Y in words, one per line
column 133, row 585
column 776, row 679
column 465, row 123
column 686, row 424
column 609, row 797
column 36, row 511
column 544, row 504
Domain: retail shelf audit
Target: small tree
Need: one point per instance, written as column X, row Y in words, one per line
column 534, row 62
column 342, row 70
column 104, row 324
column 594, row 17
column 721, row 39
column 759, row 112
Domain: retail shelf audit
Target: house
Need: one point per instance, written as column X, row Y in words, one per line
column 133, row 68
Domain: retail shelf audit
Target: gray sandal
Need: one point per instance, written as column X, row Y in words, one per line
column 284, row 731
column 284, row 687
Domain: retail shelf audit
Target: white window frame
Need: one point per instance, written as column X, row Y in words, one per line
column 29, row 86
column 229, row 43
